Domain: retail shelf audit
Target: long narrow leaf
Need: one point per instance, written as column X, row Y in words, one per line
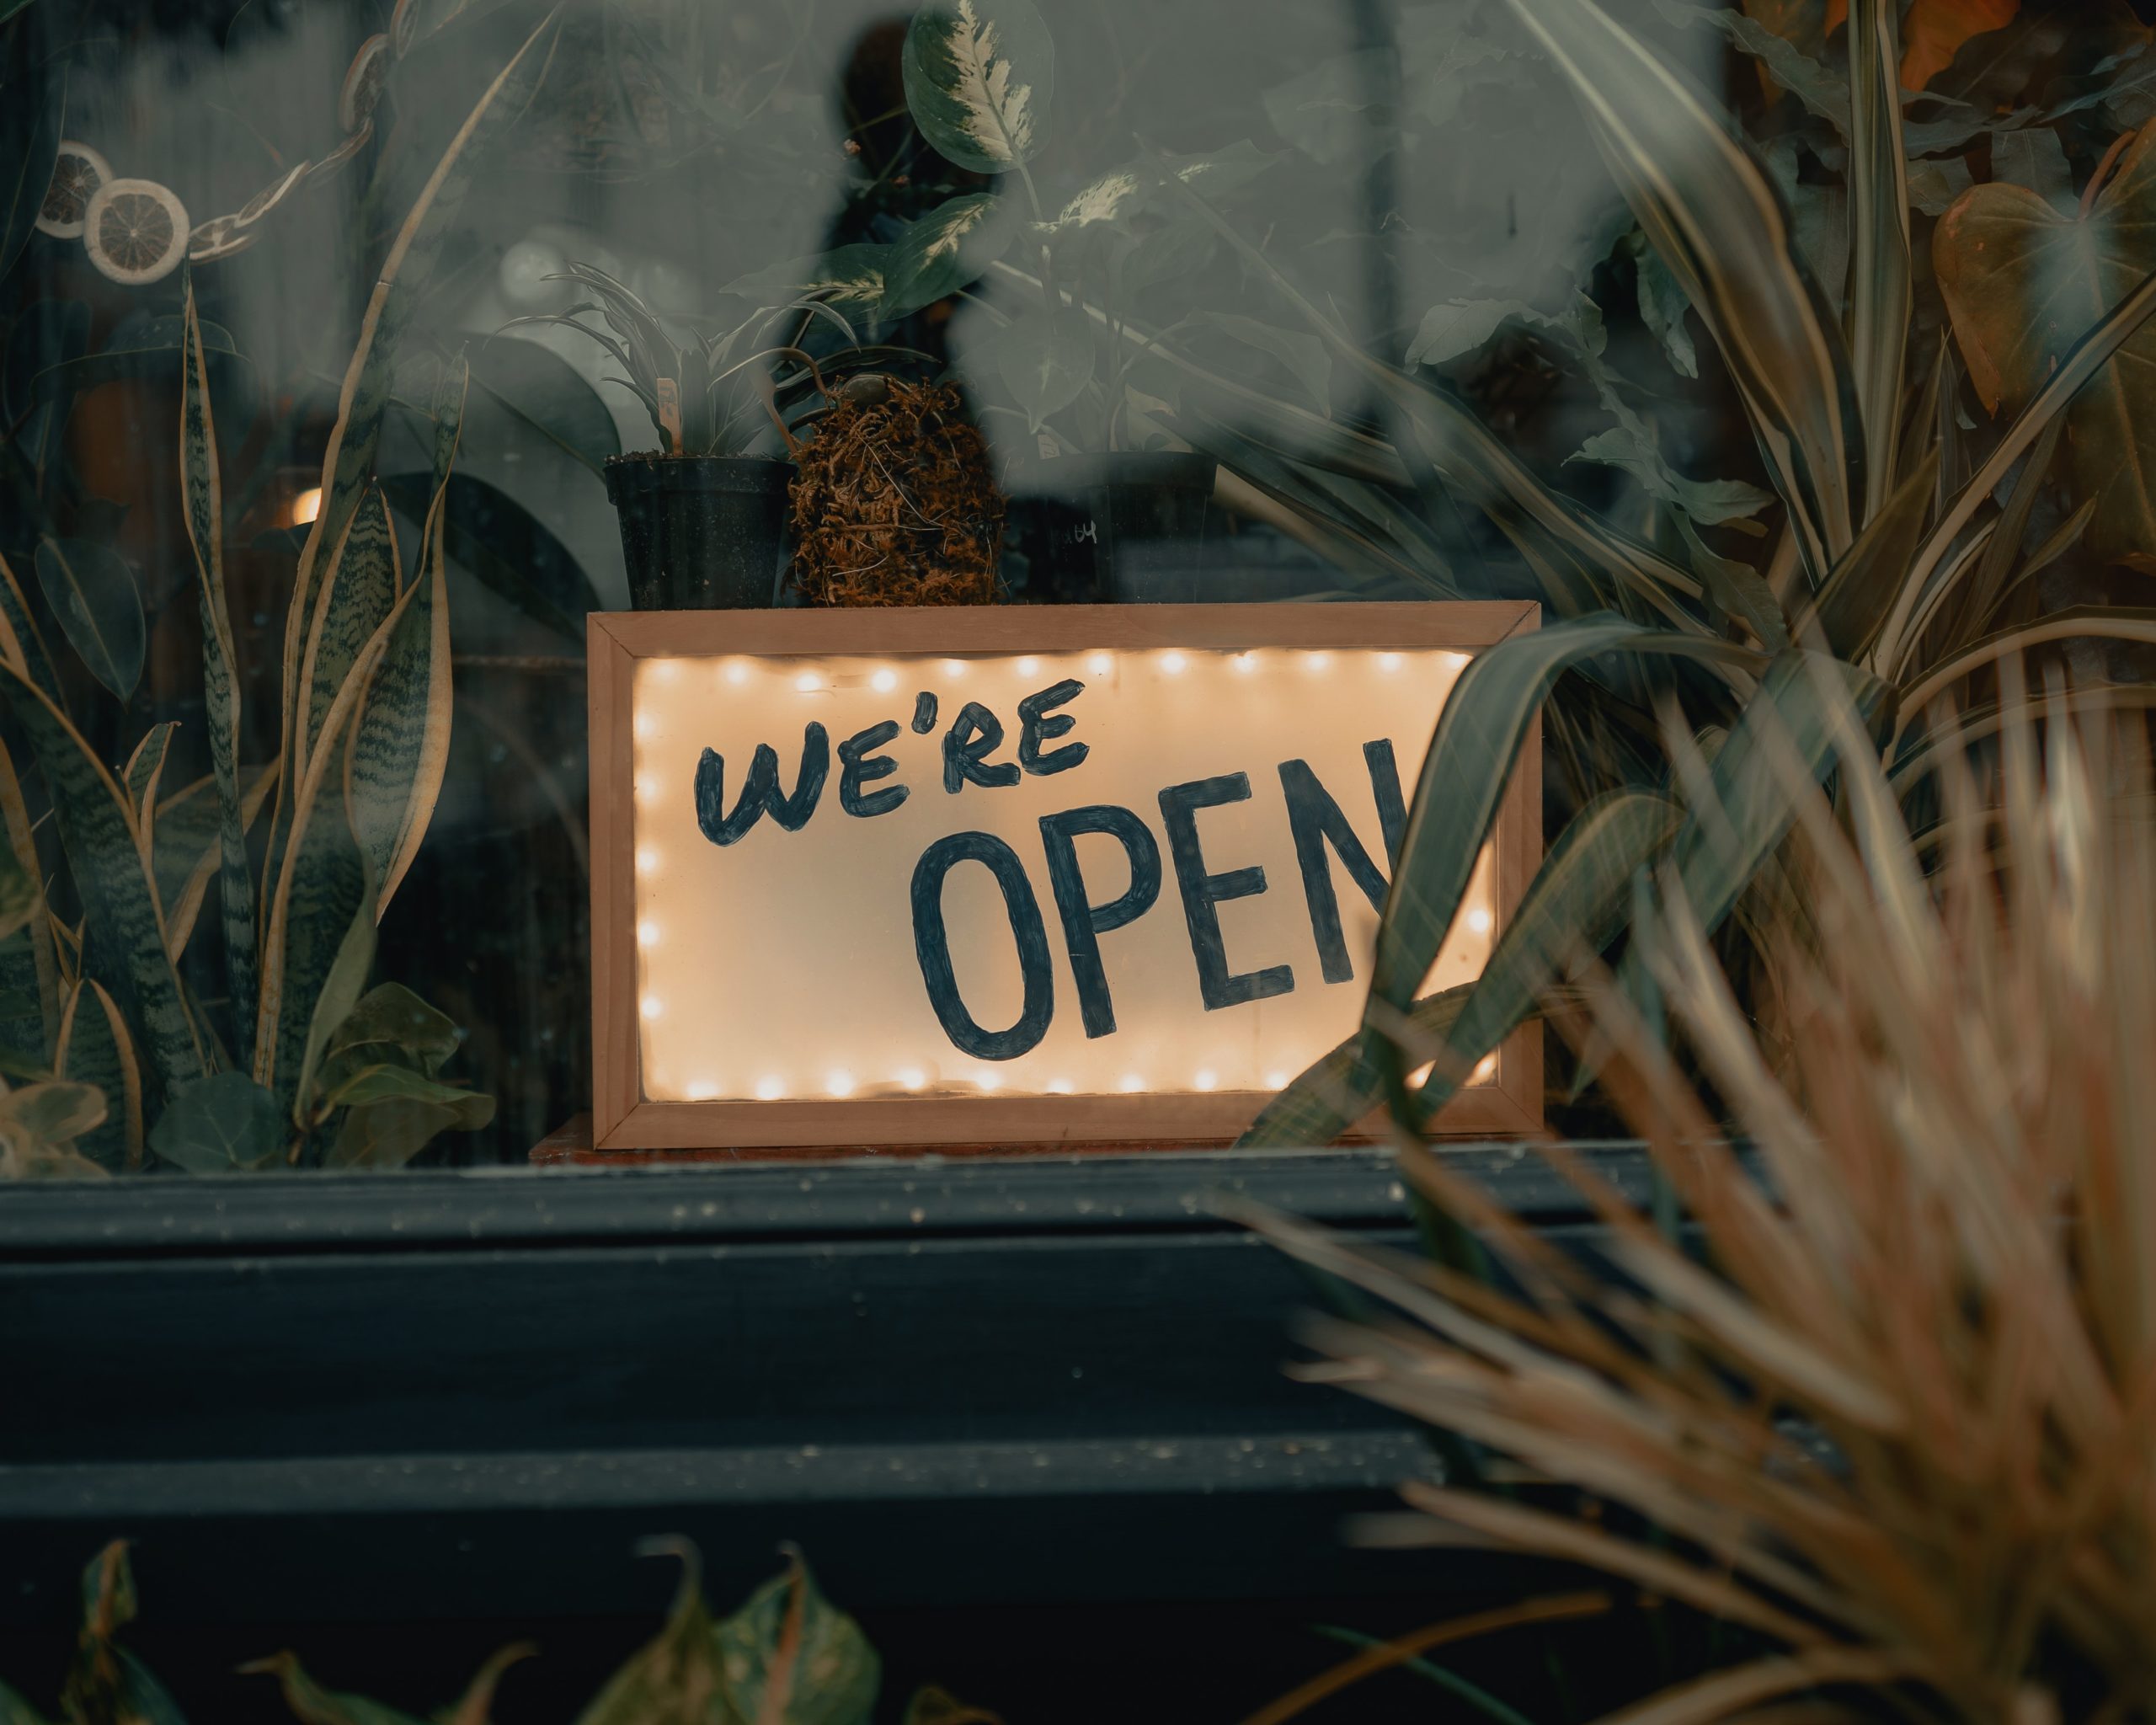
column 1716, row 220
column 1879, row 239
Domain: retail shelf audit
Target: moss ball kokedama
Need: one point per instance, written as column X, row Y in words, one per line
column 895, row 502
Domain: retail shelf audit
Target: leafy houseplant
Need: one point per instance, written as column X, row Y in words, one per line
column 701, row 516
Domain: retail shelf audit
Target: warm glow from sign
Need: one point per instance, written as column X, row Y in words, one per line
column 1074, row 874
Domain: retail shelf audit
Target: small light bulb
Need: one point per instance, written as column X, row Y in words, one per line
column 912, row 1079
column 1099, row 663
column 1131, row 1081
column 1059, row 1086
column 840, row 1084
column 1420, row 1076
column 1317, row 661
column 1206, row 1080
column 1029, row 666
column 650, row 787
column 769, row 1089
column 737, row 672
column 1388, row 661
column 991, row 1082
column 808, row 682
column 1479, row 920
column 1245, row 662
column 307, row 505
column 647, row 934
column 954, row 667
column 647, row 861
column 1485, row 1069
column 885, row 680
column 1172, row 662
column 703, row 1089
column 1275, row 1081
column 646, row 727
column 665, row 670
column 652, row 1006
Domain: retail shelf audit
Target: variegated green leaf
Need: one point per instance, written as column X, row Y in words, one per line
column 92, row 591
column 341, row 986
column 1716, row 220
column 203, row 492
column 127, row 936
column 400, row 741
column 1486, row 719
column 1575, row 905
column 943, row 251
column 189, row 846
column 348, row 463
column 350, row 606
column 978, row 76
column 96, row 1049
column 145, row 766
column 29, row 974
column 845, row 276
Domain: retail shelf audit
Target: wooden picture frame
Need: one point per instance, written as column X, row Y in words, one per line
column 624, row 1119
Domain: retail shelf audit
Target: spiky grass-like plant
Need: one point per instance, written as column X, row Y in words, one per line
column 1895, row 1415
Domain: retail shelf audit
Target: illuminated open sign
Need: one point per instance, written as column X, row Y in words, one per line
column 1011, row 875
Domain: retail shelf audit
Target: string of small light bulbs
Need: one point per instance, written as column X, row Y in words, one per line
column 136, row 230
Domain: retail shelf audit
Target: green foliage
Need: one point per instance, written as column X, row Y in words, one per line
column 979, row 76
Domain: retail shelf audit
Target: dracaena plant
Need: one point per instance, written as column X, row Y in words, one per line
column 711, row 395
column 268, row 879
column 1898, row 562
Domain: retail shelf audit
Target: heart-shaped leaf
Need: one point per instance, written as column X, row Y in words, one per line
column 979, row 75
column 1045, row 362
column 92, row 591
column 2022, row 282
column 222, row 1125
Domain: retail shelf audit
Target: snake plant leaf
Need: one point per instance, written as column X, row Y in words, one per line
column 847, row 276
column 21, row 897
column 1575, row 905
column 540, row 391
column 790, row 1657
column 126, row 928
column 144, row 768
column 188, row 847
column 225, row 1123
column 92, row 591
column 361, row 593
column 349, row 461
column 94, row 1049
column 2021, row 282
column 399, row 749
column 337, row 991
column 29, row 149
column 978, row 77
column 1880, row 303
column 674, row 1679
column 1715, row 219
column 943, row 251
column 1485, row 720
column 1045, row 360
column 203, row 495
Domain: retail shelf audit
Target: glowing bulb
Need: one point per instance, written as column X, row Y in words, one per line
column 652, row 1006
column 1206, row 1080
column 647, row 934
column 1131, row 1082
column 665, row 670
column 1172, row 662
column 1099, row 663
column 645, row 727
column 1479, row 920
column 992, row 1081
column 912, row 1078
column 808, row 682
column 954, row 667
column 1485, row 1069
column 840, row 1084
column 1388, row 661
column 885, row 680
column 306, row 506
column 1420, row 1076
column 1275, row 1081
column 647, row 861
column 737, row 672
column 703, row 1089
column 650, row 787
column 1317, row 661
column 1029, row 666
column 1245, row 662
column 1059, row 1086
column 769, row 1089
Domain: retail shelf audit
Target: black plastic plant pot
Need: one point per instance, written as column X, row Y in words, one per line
column 699, row 533
column 1128, row 527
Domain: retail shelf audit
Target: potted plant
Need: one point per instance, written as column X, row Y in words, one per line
column 703, row 514
column 1104, row 488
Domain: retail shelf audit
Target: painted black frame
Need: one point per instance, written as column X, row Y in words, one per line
column 953, row 1382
